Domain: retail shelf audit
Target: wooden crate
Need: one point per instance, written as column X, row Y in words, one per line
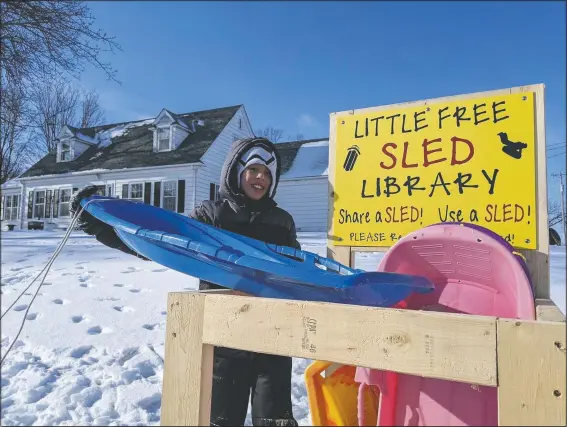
column 526, row 360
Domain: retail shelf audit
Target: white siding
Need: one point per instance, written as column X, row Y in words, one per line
column 113, row 178
column 306, row 200
column 78, row 148
column 178, row 135
column 217, row 152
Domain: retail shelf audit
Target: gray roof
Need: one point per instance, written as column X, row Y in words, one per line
column 133, row 148
column 288, row 151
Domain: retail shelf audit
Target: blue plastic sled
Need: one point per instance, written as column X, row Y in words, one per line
column 244, row 264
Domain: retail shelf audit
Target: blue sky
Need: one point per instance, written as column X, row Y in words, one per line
column 292, row 63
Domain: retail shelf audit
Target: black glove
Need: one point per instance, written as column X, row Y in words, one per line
column 86, row 222
column 103, row 232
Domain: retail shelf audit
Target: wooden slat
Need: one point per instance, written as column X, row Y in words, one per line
column 547, row 310
column 531, row 373
column 438, row 345
column 538, row 260
column 188, row 366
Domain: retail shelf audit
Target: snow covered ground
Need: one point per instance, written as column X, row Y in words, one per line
column 91, row 350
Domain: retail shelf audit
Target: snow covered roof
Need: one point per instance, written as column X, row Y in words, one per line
column 130, row 145
column 301, row 159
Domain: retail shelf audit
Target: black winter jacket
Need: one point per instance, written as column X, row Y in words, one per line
column 261, row 220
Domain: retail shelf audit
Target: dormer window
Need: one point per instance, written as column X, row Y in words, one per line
column 65, row 151
column 163, row 138
column 170, row 130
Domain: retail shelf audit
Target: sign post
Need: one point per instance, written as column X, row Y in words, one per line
column 476, row 158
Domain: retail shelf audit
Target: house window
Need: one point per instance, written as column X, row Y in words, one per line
column 169, row 201
column 214, row 191
column 64, row 199
column 240, row 123
column 65, row 151
column 163, row 139
column 137, row 192
column 39, row 205
column 12, row 207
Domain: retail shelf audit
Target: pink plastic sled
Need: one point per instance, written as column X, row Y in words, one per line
column 474, row 271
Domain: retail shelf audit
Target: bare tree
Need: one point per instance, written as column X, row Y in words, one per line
column 554, row 214
column 57, row 104
column 297, row 137
column 91, row 112
column 41, row 39
column 12, row 132
column 270, row 133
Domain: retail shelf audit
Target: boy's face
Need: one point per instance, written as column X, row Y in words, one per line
column 256, row 181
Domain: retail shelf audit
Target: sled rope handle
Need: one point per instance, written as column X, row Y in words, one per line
column 46, row 269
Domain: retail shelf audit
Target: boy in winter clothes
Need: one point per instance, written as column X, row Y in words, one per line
column 249, row 179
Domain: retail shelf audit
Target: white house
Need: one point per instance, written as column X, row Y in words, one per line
column 303, row 190
column 172, row 161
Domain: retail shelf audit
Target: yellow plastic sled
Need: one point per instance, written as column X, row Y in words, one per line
column 333, row 399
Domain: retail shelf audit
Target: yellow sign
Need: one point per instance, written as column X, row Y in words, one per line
column 471, row 160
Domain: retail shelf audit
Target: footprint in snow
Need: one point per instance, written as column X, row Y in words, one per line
column 160, row 270
column 135, row 290
column 86, row 285
column 21, row 307
column 119, row 285
column 78, row 319
column 123, row 308
column 81, row 351
column 31, row 316
column 97, row 330
column 149, row 327
column 59, row 301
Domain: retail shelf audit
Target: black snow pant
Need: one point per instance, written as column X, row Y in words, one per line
column 264, row 379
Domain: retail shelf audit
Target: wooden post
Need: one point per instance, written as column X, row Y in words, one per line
column 531, row 373
column 188, row 367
